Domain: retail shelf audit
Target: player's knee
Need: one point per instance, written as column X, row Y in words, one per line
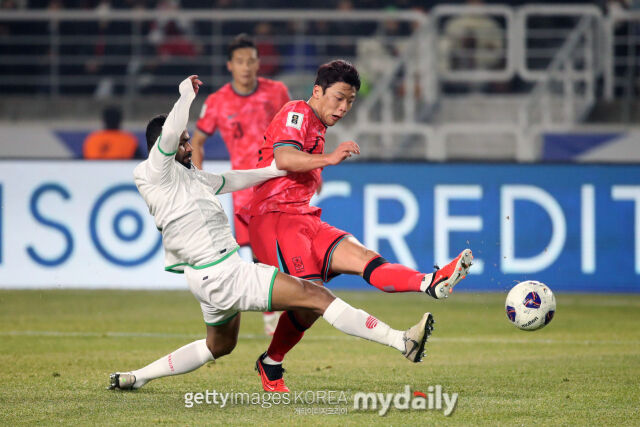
column 210, row 346
column 368, row 254
column 318, row 297
column 303, row 319
column 221, row 347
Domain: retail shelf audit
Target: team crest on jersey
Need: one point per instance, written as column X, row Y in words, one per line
column 294, row 120
column 297, row 264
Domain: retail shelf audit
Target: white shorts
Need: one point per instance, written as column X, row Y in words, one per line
column 232, row 286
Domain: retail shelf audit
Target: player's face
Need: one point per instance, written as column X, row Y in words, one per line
column 335, row 102
column 243, row 66
column 183, row 155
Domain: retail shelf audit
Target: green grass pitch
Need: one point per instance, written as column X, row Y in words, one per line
column 58, row 347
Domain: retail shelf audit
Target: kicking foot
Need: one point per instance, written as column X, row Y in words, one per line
column 444, row 279
column 416, row 337
column 121, row 381
column 271, row 376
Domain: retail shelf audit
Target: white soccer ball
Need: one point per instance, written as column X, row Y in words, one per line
column 530, row 305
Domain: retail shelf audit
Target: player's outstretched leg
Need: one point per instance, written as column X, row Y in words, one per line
column 352, row 257
column 444, row 279
column 361, row 324
column 221, row 340
column 183, row 360
column 291, row 293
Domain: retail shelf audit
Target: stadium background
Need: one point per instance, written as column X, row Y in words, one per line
column 476, row 122
column 509, row 128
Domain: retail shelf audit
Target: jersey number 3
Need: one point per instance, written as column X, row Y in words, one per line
column 237, row 130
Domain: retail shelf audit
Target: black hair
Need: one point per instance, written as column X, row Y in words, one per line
column 112, row 117
column 154, row 129
column 337, row 71
column 240, row 41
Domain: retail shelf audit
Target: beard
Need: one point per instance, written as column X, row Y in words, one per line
column 186, row 162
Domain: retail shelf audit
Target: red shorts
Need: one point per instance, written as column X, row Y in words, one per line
column 241, row 232
column 299, row 244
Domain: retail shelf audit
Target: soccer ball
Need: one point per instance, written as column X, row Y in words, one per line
column 530, row 305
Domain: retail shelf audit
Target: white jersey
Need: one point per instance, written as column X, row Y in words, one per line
column 195, row 229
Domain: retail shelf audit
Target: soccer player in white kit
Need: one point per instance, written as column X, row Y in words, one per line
column 197, row 240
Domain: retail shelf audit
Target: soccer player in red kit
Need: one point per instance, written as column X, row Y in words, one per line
column 286, row 231
column 241, row 109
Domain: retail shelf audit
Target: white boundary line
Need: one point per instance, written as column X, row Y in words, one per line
column 462, row 340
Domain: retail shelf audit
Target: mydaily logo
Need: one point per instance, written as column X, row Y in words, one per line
column 433, row 399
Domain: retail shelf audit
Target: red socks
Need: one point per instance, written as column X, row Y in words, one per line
column 287, row 334
column 391, row 277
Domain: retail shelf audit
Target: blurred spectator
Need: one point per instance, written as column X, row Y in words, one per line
column 172, row 36
column 233, row 27
column 472, row 42
column 102, row 54
column 111, row 143
column 171, row 43
column 342, row 44
column 7, row 28
column 378, row 54
column 266, row 49
column 8, row 4
column 301, row 53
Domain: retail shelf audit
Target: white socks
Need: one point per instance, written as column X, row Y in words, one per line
column 269, row 361
column 183, row 360
column 361, row 324
column 339, row 314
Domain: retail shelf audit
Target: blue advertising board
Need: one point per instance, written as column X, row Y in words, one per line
column 573, row 227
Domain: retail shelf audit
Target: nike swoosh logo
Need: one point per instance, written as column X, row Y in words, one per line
column 267, row 385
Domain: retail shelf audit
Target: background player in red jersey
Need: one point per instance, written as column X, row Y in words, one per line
column 286, row 232
column 241, row 109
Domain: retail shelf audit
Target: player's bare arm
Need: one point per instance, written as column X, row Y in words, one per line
column 293, row 160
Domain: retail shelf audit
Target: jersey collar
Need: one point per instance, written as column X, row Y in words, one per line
column 316, row 114
column 245, row 94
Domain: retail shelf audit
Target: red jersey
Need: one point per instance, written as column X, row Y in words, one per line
column 242, row 119
column 296, row 125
